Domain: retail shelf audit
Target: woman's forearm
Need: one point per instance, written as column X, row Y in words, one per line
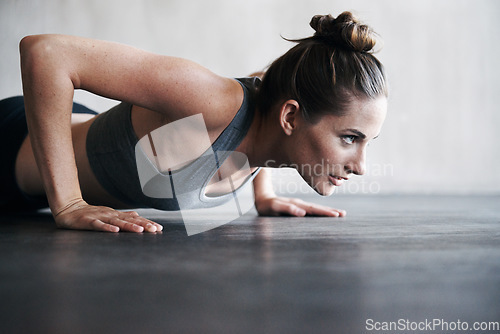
column 48, row 93
column 263, row 186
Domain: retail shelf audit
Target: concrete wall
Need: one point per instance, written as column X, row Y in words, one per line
column 442, row 57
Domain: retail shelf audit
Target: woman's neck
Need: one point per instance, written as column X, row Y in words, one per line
column 261, row 144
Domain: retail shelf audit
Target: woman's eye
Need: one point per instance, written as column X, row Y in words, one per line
column 349, row 139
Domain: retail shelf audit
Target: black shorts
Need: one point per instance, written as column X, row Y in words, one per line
column 13, row 131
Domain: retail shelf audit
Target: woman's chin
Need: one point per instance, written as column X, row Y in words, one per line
column 324, row 189
column 320, row 185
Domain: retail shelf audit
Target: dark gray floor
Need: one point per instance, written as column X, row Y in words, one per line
column 405, row 257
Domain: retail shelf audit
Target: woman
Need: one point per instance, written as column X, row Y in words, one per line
column 319, row 104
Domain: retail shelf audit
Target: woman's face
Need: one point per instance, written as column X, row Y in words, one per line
column 330, row 151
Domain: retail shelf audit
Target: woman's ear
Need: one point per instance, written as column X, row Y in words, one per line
column 289, row 114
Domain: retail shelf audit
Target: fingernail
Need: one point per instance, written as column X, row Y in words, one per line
column 301, row 212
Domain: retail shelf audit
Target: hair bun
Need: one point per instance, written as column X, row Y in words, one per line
column 344, row 31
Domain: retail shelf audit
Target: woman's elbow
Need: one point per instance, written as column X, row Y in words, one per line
column 27, row 44
column 34, row 49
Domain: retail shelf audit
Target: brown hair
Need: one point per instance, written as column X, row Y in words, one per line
column 324, row 72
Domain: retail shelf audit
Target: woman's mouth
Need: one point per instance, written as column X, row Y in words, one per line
column 336, row 180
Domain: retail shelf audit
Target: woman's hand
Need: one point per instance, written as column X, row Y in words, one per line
column 268, row 204
column 275, row 206
column 79, row 215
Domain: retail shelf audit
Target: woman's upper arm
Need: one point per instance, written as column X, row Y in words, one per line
column 125, row 73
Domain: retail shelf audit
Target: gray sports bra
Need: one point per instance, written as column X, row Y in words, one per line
column 127, row 171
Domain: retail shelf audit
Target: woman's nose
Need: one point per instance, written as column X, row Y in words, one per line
column 357, row 165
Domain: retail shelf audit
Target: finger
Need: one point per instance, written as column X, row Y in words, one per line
column 288, row 208
column 342, row 213
column 99, row 225
column 153, row 227
column 132, row 213
column 148, row 225
column 158, row 227
column 314, row 209
column 320, row 210
column 126, row 225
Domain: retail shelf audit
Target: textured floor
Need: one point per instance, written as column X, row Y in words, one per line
column 406, row 257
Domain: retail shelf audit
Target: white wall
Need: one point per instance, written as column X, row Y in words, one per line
column 442, row 58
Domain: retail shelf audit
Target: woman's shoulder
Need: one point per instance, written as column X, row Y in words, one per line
column 224, row 103
column 216, row 98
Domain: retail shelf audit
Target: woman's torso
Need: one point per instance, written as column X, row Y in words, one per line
column 143, row 121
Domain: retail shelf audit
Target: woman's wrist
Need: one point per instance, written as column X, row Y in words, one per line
column 75, row 203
